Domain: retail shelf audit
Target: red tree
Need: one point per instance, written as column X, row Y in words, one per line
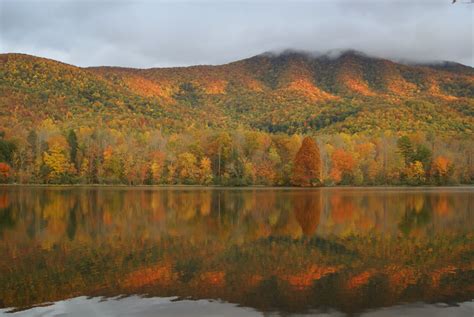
column 307, row 164
column 4, row 172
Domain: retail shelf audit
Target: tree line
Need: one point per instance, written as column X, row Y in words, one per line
column 50, row 154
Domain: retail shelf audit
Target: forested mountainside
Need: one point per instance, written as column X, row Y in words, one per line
column 375, row 121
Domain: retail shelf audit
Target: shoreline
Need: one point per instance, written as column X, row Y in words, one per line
column 251, row 187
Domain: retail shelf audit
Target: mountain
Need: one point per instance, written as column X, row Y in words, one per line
column 375, row 121
column 288, row 92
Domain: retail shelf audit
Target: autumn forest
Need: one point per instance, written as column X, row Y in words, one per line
column 273, row 119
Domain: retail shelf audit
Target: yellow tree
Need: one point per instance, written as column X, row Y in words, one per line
column 171, row 171
column 205, row 171
column 112, row 165
column 56, row 159
column 84, row 171
column 415, row 173
column 250, row 174
column 157, row 164
column 187, row 167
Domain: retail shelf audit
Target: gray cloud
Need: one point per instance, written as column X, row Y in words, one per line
column 176, row 33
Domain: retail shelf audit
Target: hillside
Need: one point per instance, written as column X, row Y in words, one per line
column 271, row 99
column 290, row 92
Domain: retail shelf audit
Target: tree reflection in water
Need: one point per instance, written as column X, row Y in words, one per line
column 270, row 249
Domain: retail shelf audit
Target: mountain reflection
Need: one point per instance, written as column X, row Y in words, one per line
column 283, row 250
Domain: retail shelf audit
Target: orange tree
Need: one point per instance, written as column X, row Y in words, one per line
column 307, row 164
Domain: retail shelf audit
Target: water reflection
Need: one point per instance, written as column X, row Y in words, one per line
column 272, row 250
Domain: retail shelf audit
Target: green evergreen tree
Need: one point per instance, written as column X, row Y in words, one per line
column 73, row 145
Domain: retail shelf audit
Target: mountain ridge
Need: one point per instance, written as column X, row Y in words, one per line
column 286, row 92
column 330, row 54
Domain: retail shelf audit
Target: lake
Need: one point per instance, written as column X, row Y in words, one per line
column 119, row 251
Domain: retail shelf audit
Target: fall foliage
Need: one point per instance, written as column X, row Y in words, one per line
column 4, row 172
column 242, row 157
column 307, row 164
column 237, row 124
column 342, row 166
column 442, row 170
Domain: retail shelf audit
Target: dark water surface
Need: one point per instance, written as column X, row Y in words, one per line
column 96, row 251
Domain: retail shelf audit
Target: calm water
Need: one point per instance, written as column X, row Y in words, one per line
column 236, row 252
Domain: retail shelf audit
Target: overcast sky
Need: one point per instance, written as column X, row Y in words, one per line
column 145, row 33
